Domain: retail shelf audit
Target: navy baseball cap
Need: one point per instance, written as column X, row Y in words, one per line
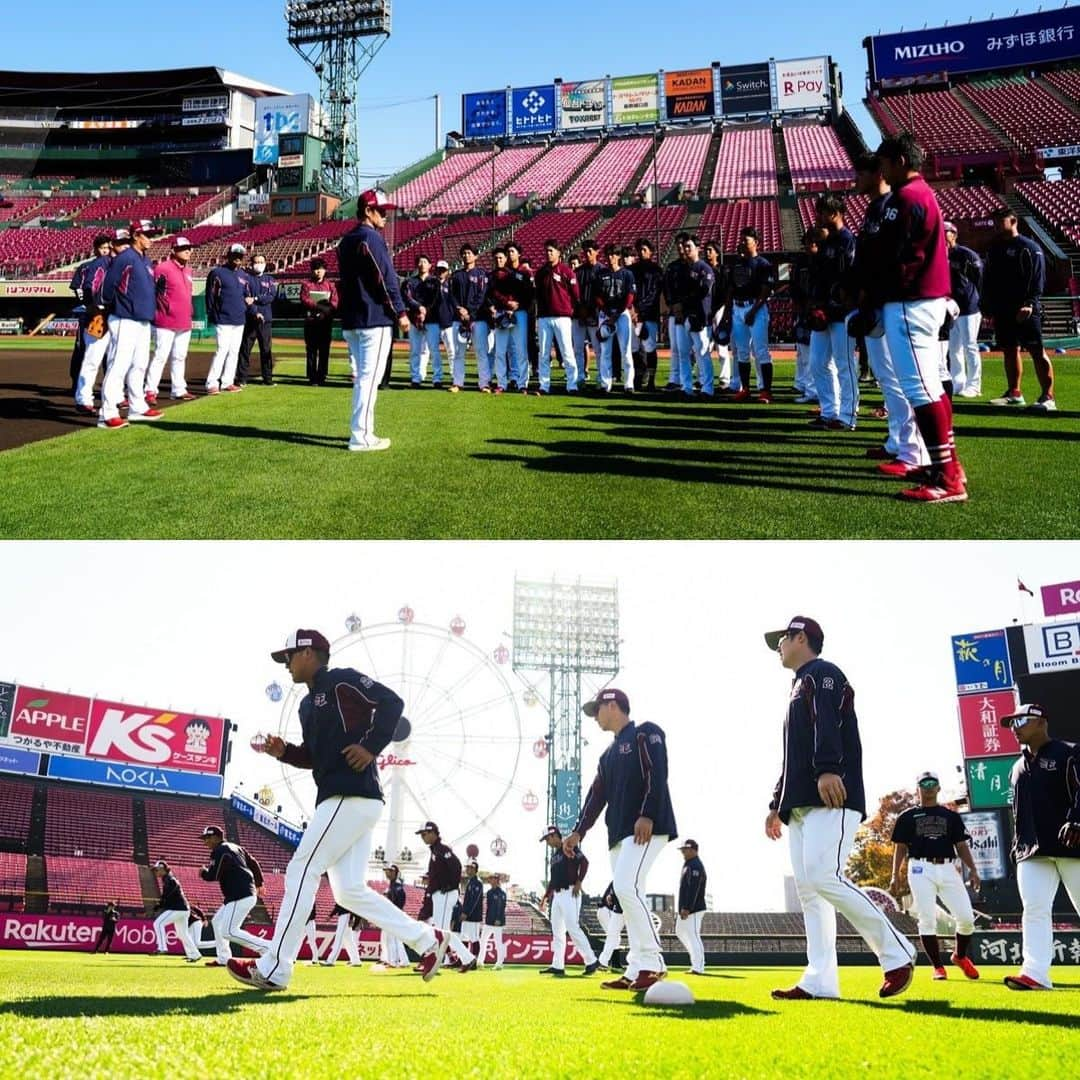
column 1028, row 712
column 300, row 639
column 392, row 866
column 551, row 830
column 428, row 826
column 590, row 708
column 809, row 626
column 692, row 844
column 212, row 830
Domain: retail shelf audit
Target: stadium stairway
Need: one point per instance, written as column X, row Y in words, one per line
column 783, row 166
column 791, row 229
column 709, row 168
column 139, row 839
column 553, row 199
column 628, row 193
column 35, row 839
column 1069, row 102
column 37, row 887
column 985, row 121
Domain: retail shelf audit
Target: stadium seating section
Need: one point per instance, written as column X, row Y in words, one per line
column 1029, row 114
column 173, row 827
column 567, row 227
column 608, row 174
column 680, row 160
column 12, row 879
column 1058, row 203
column 746, row 165
column 270, row 853
column 427, row 185
column 92, row 881
column 15, row 806
column 627, row 225
column 544, row 177
column 939, row 121
column 816, row 157
column 478, row 187
column 724, row 221
column 88, row 823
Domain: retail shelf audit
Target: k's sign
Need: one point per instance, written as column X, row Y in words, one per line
column 982, row 46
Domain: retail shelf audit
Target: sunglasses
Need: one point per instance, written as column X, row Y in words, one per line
column 1020, row 721
column 928, row 783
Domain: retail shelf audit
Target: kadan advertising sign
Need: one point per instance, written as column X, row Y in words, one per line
column 802, row 84
column 168, row 740
column 745, row 89
column 981, row 661
column 484, row 115
column 688, row 95
column 981, row 733
column 47, row 722
column 635, row 99
column 582, row 105
column 1052, row 647
column 532, row 110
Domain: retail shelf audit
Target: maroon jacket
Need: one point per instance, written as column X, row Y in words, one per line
column 501, row 289
column 312, row 311
column 916, row 245
column 557, row 293
column 444, row 869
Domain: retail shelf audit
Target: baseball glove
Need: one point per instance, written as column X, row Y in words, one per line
column 95, row 323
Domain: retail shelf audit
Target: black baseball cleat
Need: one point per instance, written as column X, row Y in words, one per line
column 592, row 969
column 558, row 972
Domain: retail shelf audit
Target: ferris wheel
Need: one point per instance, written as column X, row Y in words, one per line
column 455, row 755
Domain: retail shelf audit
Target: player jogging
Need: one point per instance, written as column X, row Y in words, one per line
column 444, row 878
column 174, row 909
column 240, row 877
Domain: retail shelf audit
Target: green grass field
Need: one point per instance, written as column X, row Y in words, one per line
column 271, row 463
column 73, row 1015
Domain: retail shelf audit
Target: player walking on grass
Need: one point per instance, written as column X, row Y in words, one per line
column 443, row 880
column 109, row 918
column 1045, row 785
column 391, row 951
column 819, row 796
column 346, row 720
column 932, row 838
column 631, row 782
column 240, row 877
column 692, row 900
column 609, row 914
column 494, row 922
column 175, row 910
column 472, row 909
column 345, row 936
column 566, row 874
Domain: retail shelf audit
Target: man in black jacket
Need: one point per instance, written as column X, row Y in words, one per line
column 109, row 918
column 819, row 796
column 692, row 906
column 494, row 923
column 346, row 720
column 238, row 873
column 173, row 907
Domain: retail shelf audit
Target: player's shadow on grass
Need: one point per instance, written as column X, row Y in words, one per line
column 66, row 1008
column 700, row 1010
column 967, row 1013
column 242, row 431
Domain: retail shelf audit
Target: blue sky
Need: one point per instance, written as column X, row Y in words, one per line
column 449, row 48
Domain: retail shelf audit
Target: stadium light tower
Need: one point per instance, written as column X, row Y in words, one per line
column 339, row 39
column 567, row 629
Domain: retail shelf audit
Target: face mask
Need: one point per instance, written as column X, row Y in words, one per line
column 259, row 268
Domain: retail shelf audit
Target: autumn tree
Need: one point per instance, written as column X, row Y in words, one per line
column 872, row 855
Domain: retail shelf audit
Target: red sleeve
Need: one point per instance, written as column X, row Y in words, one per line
column 297, row 756
column 305, row 295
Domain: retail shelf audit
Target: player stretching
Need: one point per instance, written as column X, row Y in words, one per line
column 631, row 781
column 819, row 796
column 346, row 721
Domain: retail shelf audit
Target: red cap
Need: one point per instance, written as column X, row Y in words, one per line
column 609, row 693
column 809, row 626
column 377, row 199
column 142, row 225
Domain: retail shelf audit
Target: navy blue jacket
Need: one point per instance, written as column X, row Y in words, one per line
column 631, row 781
column 395, row 893
column 697, row 298
column 1014, row 276
column 226, row 293
column 172, row 895
column 821, row 735
column 89, row 279
column 369, row 294
column 866, row 275
column 265, row 290
column 495, row 909
column 443, row 309
column 235, row 870
column 1045, row 795
column 472, row 904
column 831, row 274
column 588, row 278
column 128, row 290
column 344, row 707
column 648, row 284
column 565, row 873
column 692, row 886
column 614, row 290
column 468, row 289
column 749, row 277
column 965, row 273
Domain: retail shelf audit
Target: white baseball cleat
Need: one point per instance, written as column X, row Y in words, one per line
column 378, row 444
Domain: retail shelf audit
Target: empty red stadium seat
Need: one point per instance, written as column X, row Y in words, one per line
column 680, row 160
column 746, row 165
column 420, row 189
column 728, row 218
column 605, row 177
column 93, row 824
column 545, row 176
column 816, row 157
column 92, row 881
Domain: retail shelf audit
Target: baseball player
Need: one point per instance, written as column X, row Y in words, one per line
column 557, row 298
column 92, row 340
column 468, row 287
column 109, row 918
column 916, row 280
column 1045, row 784
column 501, row 306
column 609, row 914
column 751, row 282
column 259, row 324
column 391, row 951
column 346, row 720
column 631, row 781
column 903, row 454
column 521, row 289
column 472, row 909
column 440, row 325
column 345, row 934
column 932, row 838
column 311, row 932
column 692, row 904
column 128, row 295
column 614, row 296
column 965, row 274
column 418, row 295
column 228, row 297
column 718, row 308
column 648, row 287
column 494, row 923
column 799, row 291
column 172, row 322
column 1013, row 285
column 444, row 878
column 174, row 909
column 319, row 299
column 693, row 334
column 238, row 873
column 819, row 796
column 585, row 331
column 370, row 305
column 566, row 873
column 832, row 359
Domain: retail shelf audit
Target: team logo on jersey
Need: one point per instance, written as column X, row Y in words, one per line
column 1049, row 764
column 625, row 748
column 655, row 738
column 827, row 683
column 320, row 700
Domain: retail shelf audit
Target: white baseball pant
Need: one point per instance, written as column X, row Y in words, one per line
column 804, row 376
column 688, row 931
column 557, row 330
column 95, row 353
column 929, row 881
column 391, row 951
column 821, row 840
column 483, row 343
column 582, row 336
column 311, row 932
column 646, row 337
column 337, row 842
column 904, row 439
column 470, row 931
column 345, row 936
column 835, row 370
column 566, row 919
column 171, row 346
column 630, row 865
column 694, row 346
column 368, row 350
column 178, row 920
column 442, row 911
column 624, row 331
column 752, row 338
column 911, row 329
column 129, row 352
column 440, row 340
column 228, row 925
column 965, row 360
column 492, row 934
column 613, row 923
column 419, row 353
column 223, row 366
column 1038, row 879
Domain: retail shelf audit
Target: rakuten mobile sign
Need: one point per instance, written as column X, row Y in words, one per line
column 119, row 732
column 67, row 932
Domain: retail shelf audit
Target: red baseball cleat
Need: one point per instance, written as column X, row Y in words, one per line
column 150, row 414
column 470, row 966
column 765, row 397
column 113, row 422
column 897, row 981
column 150, row 398
column 879, row 453
column 430, row 961
column 645, row 979
column 965, row 965
column 939, row 974
column 932, row 493
column 621, row 983
column 741, row 395
column 796, row 993
column 1023, row 982
column 183, row 397
column 901, row 470
column 246, row 973
column 234, row 389
column 212, row 390
column 212, row 963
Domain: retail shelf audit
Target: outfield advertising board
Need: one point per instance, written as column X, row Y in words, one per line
column 19, row 761
column 47, row 722
column 532, row 110
column 801, row 84
column 988, row 782
column 635, row 99
column 140, row 777
column 986, row 844
column 1063, row 598
column 688, row 95
column 1053, row 647
column 267, row 820
column 981, row 661
column 483, row 115
column 581, row 105
column 745, row 88
column 981, row 733
column 280, row 115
